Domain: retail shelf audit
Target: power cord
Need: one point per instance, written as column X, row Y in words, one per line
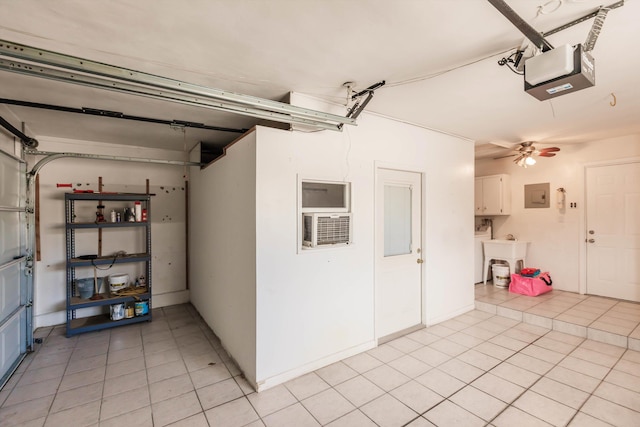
column 113, row 261
column 514, row 59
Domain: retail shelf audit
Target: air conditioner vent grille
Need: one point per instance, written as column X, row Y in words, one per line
column 326, row 229
column 333, row 230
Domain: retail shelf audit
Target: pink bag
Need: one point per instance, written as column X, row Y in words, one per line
column 530, row 286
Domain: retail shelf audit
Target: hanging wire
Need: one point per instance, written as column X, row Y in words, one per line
column 346, row 158
column 512, row 60
column 543, row 11
column 113, row 260
column 448, row 70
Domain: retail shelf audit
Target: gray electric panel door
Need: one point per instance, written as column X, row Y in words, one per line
column 15, row 311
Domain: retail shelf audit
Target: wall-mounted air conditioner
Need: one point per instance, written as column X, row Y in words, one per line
column 326, row 229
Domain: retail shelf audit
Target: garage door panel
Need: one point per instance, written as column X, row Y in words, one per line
column 12, row 241
column 11, row 181
column 10, row 291
column 15, row 309
column 12, row 342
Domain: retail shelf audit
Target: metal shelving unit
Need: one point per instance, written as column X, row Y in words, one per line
column 77, row 325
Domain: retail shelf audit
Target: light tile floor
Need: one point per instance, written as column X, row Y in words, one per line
column 479, row 368
column 602, row 319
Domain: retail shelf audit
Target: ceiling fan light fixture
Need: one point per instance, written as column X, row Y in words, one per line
column 525, row 160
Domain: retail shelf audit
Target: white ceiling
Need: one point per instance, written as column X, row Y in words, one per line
column 438, row 57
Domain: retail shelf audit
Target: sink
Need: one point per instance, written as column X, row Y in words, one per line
column 511, row 251
column 505, row 249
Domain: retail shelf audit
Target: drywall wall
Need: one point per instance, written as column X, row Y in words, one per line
column 556, row 235
column 312, row 306
column 281, row 311
column 223, row 249
column 167, row 220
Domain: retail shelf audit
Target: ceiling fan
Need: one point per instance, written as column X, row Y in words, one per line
column 526, row 151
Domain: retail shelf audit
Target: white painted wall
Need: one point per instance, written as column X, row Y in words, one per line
column 315, row 306
column 167, row 221
column 557, row 237
column 223, row 249
column 310, row 308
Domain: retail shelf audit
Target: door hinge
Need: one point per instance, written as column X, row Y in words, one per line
column 28, row 266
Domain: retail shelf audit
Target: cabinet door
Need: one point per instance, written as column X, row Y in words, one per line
column 492, row 195
column 479, row 203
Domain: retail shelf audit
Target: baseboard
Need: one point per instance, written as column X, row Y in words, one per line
column 450, row 315
column 170, row 298
column 399, row 334
column 310, row 367
column 49, row 319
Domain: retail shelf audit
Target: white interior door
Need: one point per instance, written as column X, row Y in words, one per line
column 613, row 231
column 398, row 251
column 14, row 312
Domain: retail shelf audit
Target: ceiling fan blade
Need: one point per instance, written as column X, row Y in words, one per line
column 549, row 149
column 546, row 154
column 504, row 144
column 504, row 157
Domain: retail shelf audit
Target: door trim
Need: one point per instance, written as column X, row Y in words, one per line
column 423, row 306
column 582, row 280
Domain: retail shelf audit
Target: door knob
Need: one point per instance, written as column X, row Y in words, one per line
column 591, row 240
column 419, row 260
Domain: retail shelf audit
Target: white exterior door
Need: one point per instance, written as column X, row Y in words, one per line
column 613, row 231
column 14, row 309
column 398, row 251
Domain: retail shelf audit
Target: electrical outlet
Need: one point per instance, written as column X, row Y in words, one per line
column 573, row 205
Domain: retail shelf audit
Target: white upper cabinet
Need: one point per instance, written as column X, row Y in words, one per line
column 492, row 195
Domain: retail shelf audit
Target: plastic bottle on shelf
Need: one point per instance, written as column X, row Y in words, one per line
column 113, row 215
column 138, row 211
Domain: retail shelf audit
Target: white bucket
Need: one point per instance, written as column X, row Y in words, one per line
column 501, row 276
column 118, row 282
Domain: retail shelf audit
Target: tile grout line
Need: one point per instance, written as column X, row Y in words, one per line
column 587, row 327
column 195, row 391
column 485, row 373
column 509, row 405
column 63, row 374
column 596, row 388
